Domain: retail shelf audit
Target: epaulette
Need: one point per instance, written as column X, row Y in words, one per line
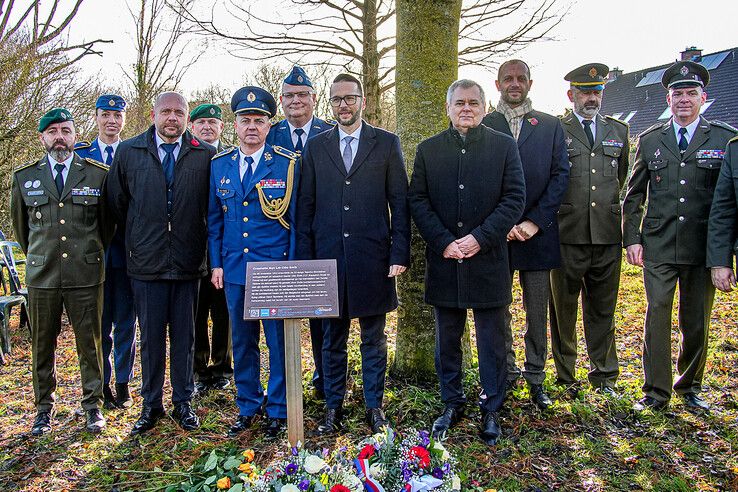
column 286, row 153
column 331, row 122
column 650, row 129
column 24, row 166
column 734, row 139
column 95, row 163
column 617, row 121
column 724, row 125
column 223, row 152
column 83, row 144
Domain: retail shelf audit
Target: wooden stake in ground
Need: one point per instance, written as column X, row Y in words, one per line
column 293, row 372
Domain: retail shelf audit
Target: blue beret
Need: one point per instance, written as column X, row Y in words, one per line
column 298, row 77
column 252, row 99
column 56, row 115
column 110, row 102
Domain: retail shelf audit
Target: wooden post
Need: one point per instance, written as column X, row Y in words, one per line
column 293, row 370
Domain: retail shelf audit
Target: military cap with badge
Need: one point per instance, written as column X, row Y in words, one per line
column 206, row 111
column 56, row 115
column 685, row 74
column 111, row 102
column 591, row 76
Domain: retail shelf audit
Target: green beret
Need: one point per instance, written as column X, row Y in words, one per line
column 56, row 115
column 206, row 111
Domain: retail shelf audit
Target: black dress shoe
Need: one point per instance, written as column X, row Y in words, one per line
column 185, row 417
column 42, row 424
column 332, row 421
column 201, row 388
column 450, row 416
column 608, row 391
column 95, row 421
column 147, row 420
column 275, row 427
column 539, row 397
column 243, row 422
column 376, row 420
column 220, row 383
column 108, row 398
column 694, row 401
column 123, row 396
column 649, row 402
column 490, row 431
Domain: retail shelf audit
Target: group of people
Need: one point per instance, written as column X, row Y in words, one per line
column 160, row 227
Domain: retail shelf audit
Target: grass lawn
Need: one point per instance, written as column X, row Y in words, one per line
column 585, row 442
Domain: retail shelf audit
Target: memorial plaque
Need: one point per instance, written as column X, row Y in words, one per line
column 291, row 289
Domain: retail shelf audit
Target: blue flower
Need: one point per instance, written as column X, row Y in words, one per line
column 424, row 438
column 291, row 469
column 437, row 473
column 304, row 484
column 294, row 451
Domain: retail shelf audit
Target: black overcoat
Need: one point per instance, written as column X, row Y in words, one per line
column 360, row 218
column 542, row 150
column 474, row 187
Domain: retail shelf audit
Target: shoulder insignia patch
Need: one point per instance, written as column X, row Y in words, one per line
column 617, row 121
column 95, row 163
column 331, row 122
column 286, row 153
column 223, row 152
column 734, row 139
column 722, row 124
column 25, row 166
column 83, row 144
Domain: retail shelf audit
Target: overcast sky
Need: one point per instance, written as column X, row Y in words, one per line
column 629, row 34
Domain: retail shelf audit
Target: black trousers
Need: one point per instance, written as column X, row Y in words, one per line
column 490, row 328
column 212, row 359
column 316, row 341
column 161, row 304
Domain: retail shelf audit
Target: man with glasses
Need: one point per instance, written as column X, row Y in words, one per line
column 676, row 168
column 352, row 207
column 298, row 103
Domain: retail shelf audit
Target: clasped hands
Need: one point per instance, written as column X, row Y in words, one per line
column 461, row 248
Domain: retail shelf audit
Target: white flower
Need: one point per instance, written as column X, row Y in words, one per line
column 289, row 488
column 353, row 482
column 456, row 483
column 313, row 465
column 377, row 471
column 445, row 454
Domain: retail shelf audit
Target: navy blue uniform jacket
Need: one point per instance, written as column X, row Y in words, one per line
column 542, row 148
column 361, row 218
column 279, row 133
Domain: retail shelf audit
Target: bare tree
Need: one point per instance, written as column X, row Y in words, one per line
column 164, row 54
column 358, row 35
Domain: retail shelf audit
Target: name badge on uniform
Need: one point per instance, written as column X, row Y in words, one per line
column 710, row 154
column 612, row 143
column 272, row 183
column 86, row 191
column 35, row 192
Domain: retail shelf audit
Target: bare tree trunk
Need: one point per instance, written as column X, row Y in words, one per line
column 427, row 63
column 370, row 64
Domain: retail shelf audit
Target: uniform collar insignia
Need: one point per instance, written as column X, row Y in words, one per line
column 267, row 156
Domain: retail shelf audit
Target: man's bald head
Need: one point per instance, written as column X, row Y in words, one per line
column 170, row 115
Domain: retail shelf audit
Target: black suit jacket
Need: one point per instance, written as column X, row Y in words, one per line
column 360, row 218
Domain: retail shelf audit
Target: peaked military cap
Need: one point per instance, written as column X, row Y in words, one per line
column 588, row 77
column 685, row 74
column 252, row 99
column 298, row 77
column 56, row 115
column 110, row 102
column 206, row 111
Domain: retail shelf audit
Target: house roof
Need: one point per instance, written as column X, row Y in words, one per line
column 640, row 99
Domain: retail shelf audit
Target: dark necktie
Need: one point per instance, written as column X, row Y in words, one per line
column 588, row 131
column 683, row 144
column 109, row 152
column 168, row 163
column 299, row 132
column 247, row 175
column 59, row 179
column 348, row 152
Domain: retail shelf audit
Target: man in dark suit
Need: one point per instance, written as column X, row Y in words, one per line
column 467, row 192
column 119, row 315
column 534, row 241
column 213, row 360
column 352, row 206
column 61, row 223
column 722, row 229
column 589, row 227
column 676, row 168
column 158, row 187
column 298, row 103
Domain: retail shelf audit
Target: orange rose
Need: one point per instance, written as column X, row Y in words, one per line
column 245, row 467
column 224, row 483
column 249, row 455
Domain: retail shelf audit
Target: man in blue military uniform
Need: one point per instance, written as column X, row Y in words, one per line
column 213, row 359
column 119, row 316
column 298, row 103
column 250, row 218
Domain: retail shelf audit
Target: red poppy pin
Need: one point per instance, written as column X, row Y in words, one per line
column 195, row 143
column 533, row 121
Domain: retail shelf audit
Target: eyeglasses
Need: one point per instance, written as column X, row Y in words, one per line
column 299, row 95
column 350, row 100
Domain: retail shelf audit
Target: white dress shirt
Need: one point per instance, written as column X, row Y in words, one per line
column 304, row 137
column 162, row 152
column 102, row 145
column 242, row 161
column 592, row 127
column 354, row 143
column 691, row 128
column 65, row 172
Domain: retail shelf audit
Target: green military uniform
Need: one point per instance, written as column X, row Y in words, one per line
column 722, row 229
column 63, row 238
column 589, row 229
column 679, row 188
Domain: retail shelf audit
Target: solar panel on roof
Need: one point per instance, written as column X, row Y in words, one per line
column 652, row 77
column 713, row 61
